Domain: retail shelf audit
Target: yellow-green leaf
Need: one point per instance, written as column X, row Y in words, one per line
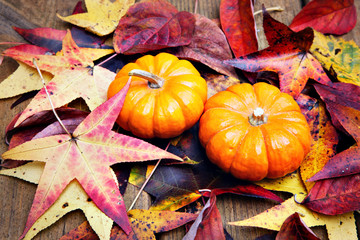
column 343, row 56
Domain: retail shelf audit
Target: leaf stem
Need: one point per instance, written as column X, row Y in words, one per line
column 108, row 59
column 196, row 6
column 48, row 95
column 146, row 181
column 272, row 9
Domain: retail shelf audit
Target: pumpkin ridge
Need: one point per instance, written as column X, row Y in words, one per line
column 238, row 147
column 240, row 99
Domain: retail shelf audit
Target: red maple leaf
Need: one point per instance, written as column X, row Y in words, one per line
column 288, row 55
column 86, row 156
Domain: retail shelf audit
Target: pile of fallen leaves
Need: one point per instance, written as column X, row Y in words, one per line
column 76, row 159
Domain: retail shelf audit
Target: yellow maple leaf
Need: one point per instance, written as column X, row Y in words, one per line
column 343, row 56
column 72, row 198
column 323, row 147
column 337, row 226
column 102, row 16
column 24, row 79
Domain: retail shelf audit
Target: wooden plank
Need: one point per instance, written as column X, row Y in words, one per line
column 16, row 196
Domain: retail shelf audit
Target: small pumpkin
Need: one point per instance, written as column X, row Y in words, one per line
column 254, row 131
column 165, row 98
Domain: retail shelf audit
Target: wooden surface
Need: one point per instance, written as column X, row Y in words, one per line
column 16, row 195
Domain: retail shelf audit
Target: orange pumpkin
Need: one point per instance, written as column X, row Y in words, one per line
column 165, row 98
column 254, row 132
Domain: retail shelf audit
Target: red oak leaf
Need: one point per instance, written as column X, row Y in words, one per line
column 294, row 228
column 237, row 21
column 86, row 156
column 326, row 16
column 335, row 196
column 288, row 55
column 152, row 25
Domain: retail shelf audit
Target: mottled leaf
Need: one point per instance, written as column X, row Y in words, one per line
column 144, row 225
column 92, row 140
column 294, row 228
column 335, row 196
column 152, row 25
column 238, row 24
column 324, row 138
column 326, row 16
column 208, row 46
column 216, row 83
column 288, row 55
column 102, row 16
column 343, row 56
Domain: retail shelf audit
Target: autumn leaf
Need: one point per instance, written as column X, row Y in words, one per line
column 343, row 56
column 216, row 82
column 208, row 225
column 51, row 38
column 71, row 56
column 324, row 138
column 335, row 196
column 72, row 198
column 237, row 21
column 144, row 223
column 30, row 81
column 102, row 16
column 273, row 218
column 74, row 73
column 92, row 140
column 208, row 46
column 343, row 107
column 326, row 16
column 288, row 55
column 295, row 228
column 153, row 25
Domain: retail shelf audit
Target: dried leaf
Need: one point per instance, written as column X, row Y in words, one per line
column 23, row 80
column 216, row 83
column 326, row 16
column 144, row 224
column 337, row 226
column 102, row 16
column 71, row 56
column 208, row 46
column 72, row 198
column 325, row 139
column 152, row 25
column 335, row 196
column 92, row 140
column 237, row 21
column 343, row 56
column 288, row 55
column 295, row 228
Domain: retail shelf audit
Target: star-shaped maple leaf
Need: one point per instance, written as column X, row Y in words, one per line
column 74, row 75
column 288, row 55
column 102, row 17
column 86, row 156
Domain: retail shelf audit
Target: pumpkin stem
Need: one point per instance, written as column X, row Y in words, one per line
column 154, row 80
column 258, row 117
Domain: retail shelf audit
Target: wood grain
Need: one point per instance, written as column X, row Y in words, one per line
column 16, row 196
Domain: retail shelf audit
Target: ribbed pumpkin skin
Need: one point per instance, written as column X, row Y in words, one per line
column 249, row 152
column 161, row 112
